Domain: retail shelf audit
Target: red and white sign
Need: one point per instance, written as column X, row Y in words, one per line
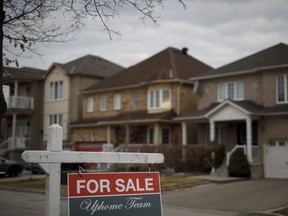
column 136, row 193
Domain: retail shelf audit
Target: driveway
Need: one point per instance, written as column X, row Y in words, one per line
column 235, row 197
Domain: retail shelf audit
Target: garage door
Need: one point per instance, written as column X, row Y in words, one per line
column 276, row 159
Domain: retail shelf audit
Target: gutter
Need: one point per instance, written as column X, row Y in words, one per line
column 237, row 72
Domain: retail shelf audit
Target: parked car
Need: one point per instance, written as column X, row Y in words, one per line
column 34, row 168
column 10, row 167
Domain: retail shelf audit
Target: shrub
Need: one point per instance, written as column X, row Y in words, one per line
column 219, row 156
column 239, row 166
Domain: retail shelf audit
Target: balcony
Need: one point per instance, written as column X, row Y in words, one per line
column 18, row 102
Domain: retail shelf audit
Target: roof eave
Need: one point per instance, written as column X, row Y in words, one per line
column 235, row 73
column 134, row 86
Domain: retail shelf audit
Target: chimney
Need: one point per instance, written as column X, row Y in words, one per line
column 185, row 51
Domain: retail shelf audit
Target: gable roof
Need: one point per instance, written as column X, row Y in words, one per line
column 248, row 107
column 169, row 64
column 24, row 73
column 89, row 65
column 273, row 57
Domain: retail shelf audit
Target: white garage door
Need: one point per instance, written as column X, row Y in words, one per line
column 276, row 159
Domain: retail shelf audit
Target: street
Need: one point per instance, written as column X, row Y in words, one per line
column 225, row 199
column 15, row 203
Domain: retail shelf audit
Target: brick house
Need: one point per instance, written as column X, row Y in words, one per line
column 244, row 104
column 63, row 82
column 136, row 106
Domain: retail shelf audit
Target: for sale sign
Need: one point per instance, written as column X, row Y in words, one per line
column 121, row 194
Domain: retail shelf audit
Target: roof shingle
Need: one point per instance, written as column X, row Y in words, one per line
column 168, row 64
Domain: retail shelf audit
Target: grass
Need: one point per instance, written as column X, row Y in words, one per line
column 167, row 183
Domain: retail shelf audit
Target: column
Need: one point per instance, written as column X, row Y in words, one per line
column 249, row 139
column 127, row 134
column 212, row 131
column 14, row 120
column 156, row 134
column 108, row 134
column 184, row 133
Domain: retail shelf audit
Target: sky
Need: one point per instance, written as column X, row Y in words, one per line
column 216, row 32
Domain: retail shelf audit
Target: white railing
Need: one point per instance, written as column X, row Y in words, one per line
column 7, row 145
column 255, row 153
column 20, row 102
column 228, row 154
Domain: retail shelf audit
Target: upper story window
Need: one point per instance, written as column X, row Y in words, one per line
column 135, row 99
column 231, row 90
column 159, row 98
column 103, row 103
column 282, row 88
column 56, row 90
column 90, row 104
column 117, row 102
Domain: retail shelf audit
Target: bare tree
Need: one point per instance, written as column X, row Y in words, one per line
column 25, row 23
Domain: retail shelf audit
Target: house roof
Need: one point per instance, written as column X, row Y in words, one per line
column 249, row 107
column 24, row 73
column 167, row 65
column 128, row 117
column 89, row 65
column 273, row 57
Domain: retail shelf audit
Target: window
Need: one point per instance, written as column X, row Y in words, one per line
column 90, row 104
column 150, row 135
column 159, row 98
column 135, row 99
column 165, row 136
column 56, row 90
column 282, row 89
column 117, row 102
column 231, row 90
column 103, row 103
column 55, row 119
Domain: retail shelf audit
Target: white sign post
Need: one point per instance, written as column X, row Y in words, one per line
column 50, row 161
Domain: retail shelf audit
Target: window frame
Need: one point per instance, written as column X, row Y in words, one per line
column 285, row 89
column 156, row 98
column 237, row 90
column 55, row 119
column 117, row 102
column 135, row 99
column 103, row 103
column 56, row 90
column 90, row 104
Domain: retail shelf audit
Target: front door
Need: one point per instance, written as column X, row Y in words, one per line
column 242, row 137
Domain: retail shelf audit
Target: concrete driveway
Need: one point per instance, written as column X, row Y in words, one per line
column 263, row 195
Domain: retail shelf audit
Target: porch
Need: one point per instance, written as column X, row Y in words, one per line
column 228, row 123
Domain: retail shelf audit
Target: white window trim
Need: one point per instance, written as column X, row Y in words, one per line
column 117, row 102
column 90, row 104
column 51, row 92
column 158, row 104
column 59, row 119
column 135, row 99
column 285, row 89
column 235, row 96
column 103, row 103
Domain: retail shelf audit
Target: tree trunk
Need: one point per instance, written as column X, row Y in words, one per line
column 3, row 106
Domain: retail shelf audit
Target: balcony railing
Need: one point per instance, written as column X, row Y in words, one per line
column 7, row 145
column 20, row 102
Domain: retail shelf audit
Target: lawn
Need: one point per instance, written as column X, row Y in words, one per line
column 167, row 183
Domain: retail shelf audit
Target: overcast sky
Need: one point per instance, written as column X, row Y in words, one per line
column 216, row 32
